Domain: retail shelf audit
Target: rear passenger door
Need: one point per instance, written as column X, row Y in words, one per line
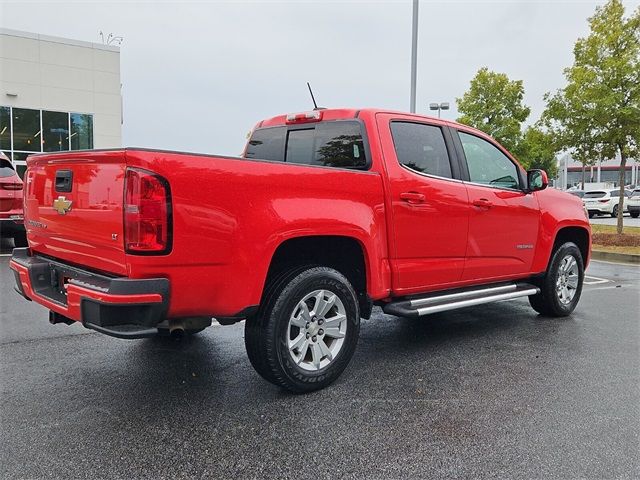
column 428, row 202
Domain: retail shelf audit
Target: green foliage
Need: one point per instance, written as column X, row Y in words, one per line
column 598, row 112
column 493, row 104
column 537, row 149
column 597, row 115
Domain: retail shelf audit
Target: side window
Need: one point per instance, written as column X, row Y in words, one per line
column 487, row 164
column 267, row 144
column 421, row 148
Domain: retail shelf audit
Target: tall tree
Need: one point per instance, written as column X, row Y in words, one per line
column 494, row 105
column 597, row 115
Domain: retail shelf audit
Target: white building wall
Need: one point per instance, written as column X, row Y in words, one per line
column 50, row 73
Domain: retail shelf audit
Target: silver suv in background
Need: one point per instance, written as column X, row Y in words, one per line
column 604, row 202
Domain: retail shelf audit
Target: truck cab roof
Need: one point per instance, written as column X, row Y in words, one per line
column 348, row 113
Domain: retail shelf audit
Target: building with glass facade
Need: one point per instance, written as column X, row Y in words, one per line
column 57, row 94
column 605, row 171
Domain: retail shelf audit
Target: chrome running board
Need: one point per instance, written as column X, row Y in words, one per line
column 454, row 299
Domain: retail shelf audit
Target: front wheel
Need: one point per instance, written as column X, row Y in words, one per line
column 561, row 286
column 306, row 332
column 634, row 214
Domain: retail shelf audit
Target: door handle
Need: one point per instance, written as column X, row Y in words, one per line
column 482, row 203
column 412, row 197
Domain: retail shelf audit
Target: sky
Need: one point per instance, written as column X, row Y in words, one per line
column 198, row 75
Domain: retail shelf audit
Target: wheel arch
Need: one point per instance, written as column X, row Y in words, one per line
column 343, row 253
column 578, row 235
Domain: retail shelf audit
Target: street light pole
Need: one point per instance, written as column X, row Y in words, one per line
column 414, row 56
column 439, row 107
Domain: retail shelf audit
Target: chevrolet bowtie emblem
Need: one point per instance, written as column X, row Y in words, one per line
column 62, row 205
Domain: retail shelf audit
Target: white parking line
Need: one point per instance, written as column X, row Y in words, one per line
column 594, row 280
column 5, row 254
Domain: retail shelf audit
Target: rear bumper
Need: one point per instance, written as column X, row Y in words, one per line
column 121, row 307
column 601, row 210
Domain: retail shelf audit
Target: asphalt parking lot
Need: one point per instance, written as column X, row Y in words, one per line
column 490, row 391
column 608, row 220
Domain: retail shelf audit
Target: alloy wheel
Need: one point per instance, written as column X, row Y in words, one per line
column 316, row 330
column 567, row 280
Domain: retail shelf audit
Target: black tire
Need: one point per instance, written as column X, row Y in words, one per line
column 253, row 325
column 266, row 334
column 634, row 214
column 547, row 302
column 592, row 214
column 614, row 212
column 20, row 239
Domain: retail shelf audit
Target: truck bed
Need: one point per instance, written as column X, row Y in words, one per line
column 231, row 213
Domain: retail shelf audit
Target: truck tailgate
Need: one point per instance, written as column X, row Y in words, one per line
column 74, row 208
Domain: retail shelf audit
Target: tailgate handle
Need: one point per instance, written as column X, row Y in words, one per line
column 64, row 180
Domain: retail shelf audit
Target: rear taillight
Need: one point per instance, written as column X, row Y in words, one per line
column 12, row 186
column 604, row 201
column 147, row 213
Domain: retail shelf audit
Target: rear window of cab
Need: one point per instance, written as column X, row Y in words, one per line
column 337, row 144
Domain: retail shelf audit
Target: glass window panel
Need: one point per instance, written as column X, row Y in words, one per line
column 421, row 148
column 488, row 165
column 81, row 131
column 26, row 129
column 5, row 128
column 21, row 156
column 300, row 146
column 55, row 131
column 339, row 144
column 267, row 144
column 594, row 194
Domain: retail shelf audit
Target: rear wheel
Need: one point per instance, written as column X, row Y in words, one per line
column 614, row 212
column 306, row 332
column 592, row 214
column 561, row 286
column 634, row 214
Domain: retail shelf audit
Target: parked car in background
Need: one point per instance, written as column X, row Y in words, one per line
column 633, row 204
column 11, row 213
column 604, row 202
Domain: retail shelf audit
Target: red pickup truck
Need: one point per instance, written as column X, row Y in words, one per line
column 328, row 213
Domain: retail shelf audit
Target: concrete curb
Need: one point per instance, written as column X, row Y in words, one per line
column 615, row 257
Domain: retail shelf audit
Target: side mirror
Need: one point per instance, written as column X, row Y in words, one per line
column 537, row 180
